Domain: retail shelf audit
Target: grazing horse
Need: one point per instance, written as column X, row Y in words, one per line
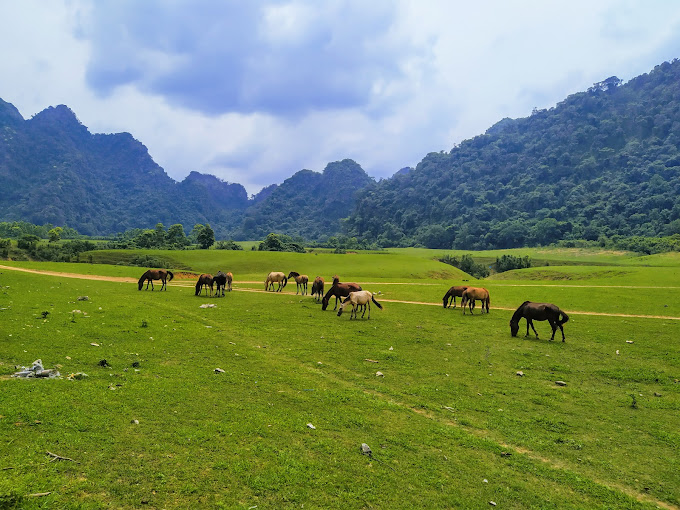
column 359, row 299
column 451, row 295
column 317, row 288
column 155, row 274
column 471, row 294
column 539, row 312
column 339, row 290
column 275, row 277
column 205, row 280
column 220, row 280
column 301, row 280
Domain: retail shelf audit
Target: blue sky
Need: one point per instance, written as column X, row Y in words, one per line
column 253, row 91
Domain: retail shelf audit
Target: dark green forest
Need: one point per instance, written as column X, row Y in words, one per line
column 602, row 163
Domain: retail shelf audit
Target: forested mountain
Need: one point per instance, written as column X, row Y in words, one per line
column 308, row 204
column 53, row 170
column 601, row 162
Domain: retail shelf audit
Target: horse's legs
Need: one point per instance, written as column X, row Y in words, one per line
column 531, row 323
column 369, row 310
column 336, row 302
column 561, row 330
column 454, row 301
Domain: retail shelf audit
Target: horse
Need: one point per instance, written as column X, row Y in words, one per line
column 359, row 299
column 317, row 288
column 540, row 312
column 220, row 280
column 339, row 290
column 155, row 274
column 275, row 277
column 230, row 279
column 301, row 280
column 471, row 294
column 205, row 280
column 451, row 295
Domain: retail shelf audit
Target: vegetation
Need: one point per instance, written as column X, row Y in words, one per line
column 603, row 163
column 451, row 423
column 280, row 242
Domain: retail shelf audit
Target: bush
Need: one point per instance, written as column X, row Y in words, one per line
column 510, row 262
column 227, row 245
column 467, row 265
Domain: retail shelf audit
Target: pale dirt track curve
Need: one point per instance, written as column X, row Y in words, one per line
column 122, row 279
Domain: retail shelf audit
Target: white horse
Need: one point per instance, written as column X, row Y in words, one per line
column 275, row 277
column 358, row 299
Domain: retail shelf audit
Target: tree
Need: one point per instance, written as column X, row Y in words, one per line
column 159, row 235
column 206, row 237
column 55, row 234
column 176, row 237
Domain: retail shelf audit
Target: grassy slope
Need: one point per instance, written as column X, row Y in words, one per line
column 240, row 439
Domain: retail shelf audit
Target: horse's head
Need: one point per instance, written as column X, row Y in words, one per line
column 324, row 303
column 514, row 328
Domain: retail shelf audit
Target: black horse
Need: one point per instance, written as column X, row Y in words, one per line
column 220, row 279
column 540, row 312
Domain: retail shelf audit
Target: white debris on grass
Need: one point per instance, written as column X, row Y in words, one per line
column 37, row 370
column 208, row 305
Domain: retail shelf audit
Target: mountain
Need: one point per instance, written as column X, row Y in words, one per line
column 604, row 162
column 308, row 204
column 53, row 170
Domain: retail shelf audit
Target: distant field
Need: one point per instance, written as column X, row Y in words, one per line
column 450, row 422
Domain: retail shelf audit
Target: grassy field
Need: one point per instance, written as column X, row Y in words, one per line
column 450, row 422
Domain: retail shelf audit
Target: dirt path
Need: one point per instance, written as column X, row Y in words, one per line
column 176, row 283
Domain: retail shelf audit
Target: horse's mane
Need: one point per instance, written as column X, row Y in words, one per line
column 143, row 277
column 294, row 274
column 518, row 313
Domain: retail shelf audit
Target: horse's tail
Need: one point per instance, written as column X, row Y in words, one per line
column 488, row 301
column 285, row 281
column 564, row 318
column 376, row 303
column 171, row 275
column 198, row 287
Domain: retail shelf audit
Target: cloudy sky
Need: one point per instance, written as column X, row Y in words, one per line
column 253, row 91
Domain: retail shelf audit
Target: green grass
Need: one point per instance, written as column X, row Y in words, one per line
column 440, row 421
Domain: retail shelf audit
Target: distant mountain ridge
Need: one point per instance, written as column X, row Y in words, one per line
column 53, row 170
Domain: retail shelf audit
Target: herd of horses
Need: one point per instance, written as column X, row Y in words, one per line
column 360, row 300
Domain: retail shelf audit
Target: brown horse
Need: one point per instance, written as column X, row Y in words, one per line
column 451, row 295
column 339, row 290
column 471, row 294
column 230, row 279
column 220, row 280
column 155, row 274
column 301, row 280
column 275, row 277
column 317, row 288
column 205, row 280
column 539, row 312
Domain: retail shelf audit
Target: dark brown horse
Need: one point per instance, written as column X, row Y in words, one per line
column 205, row 280
column 301, row 280
column 317, row 288
column 155, row 274
column 339, row 290
column 220, row 279
column 471, row 295
column 451, row 295
column 539, row 312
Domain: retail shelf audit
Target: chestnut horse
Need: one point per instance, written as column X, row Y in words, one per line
column 451, row 295
column 471, row 294
column 155, row 274
column 317, row 288
column 359, row 299
column 339, row 290
column 205, row 280
column 301, row 280
column 539, row 312
column 275, row 277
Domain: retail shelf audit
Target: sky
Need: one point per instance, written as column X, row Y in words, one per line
column 253, row 91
